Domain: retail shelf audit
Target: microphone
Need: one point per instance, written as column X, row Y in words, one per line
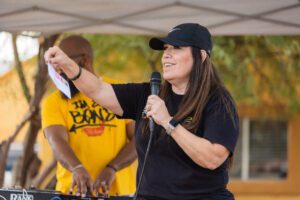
column 154, row 85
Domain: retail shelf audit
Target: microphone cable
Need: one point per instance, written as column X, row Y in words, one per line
column 144, row 164
column 154, row 84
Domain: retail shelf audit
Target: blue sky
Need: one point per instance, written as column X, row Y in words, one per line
column 27, row 48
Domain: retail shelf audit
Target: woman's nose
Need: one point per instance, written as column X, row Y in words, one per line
column 167, row 54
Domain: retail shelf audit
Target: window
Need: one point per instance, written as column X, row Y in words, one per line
column 261, row 151
column 15, row 152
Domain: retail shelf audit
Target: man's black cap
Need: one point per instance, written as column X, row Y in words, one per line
column 188, row 34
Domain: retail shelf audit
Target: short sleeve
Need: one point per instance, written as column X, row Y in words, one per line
column 51, row 113
column 221, row 124
column 131, row 97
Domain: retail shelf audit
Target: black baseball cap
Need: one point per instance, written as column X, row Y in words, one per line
column 188, row 34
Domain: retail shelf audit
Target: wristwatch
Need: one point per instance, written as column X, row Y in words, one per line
column 171, row 126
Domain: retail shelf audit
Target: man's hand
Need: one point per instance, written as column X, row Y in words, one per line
column 83, row 181
column 104, row 180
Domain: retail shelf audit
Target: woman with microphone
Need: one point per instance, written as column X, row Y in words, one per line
column 197, row 120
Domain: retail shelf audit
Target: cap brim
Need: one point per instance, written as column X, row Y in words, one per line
column 158, row 43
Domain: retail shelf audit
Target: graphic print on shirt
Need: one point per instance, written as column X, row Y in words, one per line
column 91, row 118
column 188, row 120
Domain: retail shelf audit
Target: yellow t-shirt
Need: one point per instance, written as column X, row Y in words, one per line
column 95, row 135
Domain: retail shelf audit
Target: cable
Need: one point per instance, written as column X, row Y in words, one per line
column 144, row 164
column 3, row 197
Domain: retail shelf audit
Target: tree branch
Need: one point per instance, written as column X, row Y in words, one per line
column 20, row 71
column 5, row 145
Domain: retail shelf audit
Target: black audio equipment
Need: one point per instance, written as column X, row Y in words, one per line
column 34, row 194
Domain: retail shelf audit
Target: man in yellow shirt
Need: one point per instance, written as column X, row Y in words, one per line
column 93, row 148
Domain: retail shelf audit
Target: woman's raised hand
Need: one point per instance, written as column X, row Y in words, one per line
column 58, row 59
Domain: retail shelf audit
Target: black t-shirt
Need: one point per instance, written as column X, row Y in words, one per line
column 170, row 173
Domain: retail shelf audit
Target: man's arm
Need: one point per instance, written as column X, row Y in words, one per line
column 124, row 158
column 128, row 153
column 58, row 140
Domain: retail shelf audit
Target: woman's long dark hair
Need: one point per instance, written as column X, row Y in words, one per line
column 203, row 82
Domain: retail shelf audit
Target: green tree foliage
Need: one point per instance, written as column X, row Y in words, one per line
column 125, row 57
column 258, row 70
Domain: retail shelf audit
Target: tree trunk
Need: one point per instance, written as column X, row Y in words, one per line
column 5, row 145
column 43, row 179
column 35, row 122
column 19, row 68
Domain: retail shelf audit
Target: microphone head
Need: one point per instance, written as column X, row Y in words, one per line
column 155, row 77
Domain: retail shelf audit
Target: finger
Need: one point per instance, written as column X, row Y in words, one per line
column 148, row 107
column 144, row 114
column 156, row 104
column 78, row 191
column 151, row 102
column 48, row 54
column 103, row 187
column 83, row 188
column 90, row 186
column 51, row 52
column 153, row 97
column 73, row 185
column 151, row 114
column 55, row 59
column 108, row 185
column 96, row 186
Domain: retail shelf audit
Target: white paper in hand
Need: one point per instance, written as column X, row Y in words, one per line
column 61, row 83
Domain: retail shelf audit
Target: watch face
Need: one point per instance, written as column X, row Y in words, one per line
column 173, row 122
column 171, row 126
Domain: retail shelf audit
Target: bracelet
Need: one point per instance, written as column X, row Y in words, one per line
column 112, row 167
column 76, row 167
column 77, row 76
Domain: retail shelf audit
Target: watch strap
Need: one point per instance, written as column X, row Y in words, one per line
column 171, row 126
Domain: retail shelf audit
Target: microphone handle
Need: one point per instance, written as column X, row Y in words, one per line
column 155, row 88
column 151, row 124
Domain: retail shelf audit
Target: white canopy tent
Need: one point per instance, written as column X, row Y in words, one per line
column 222, row 17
